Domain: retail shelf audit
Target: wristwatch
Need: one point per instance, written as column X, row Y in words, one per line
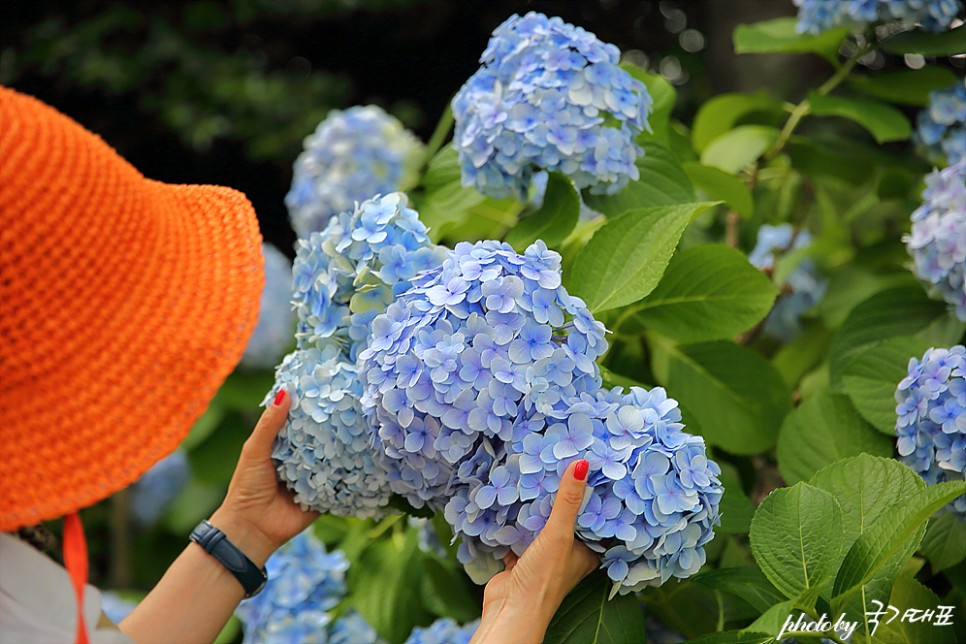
column 215, row 543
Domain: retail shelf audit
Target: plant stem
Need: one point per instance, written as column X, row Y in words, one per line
column 802, row 109
column 439, row 135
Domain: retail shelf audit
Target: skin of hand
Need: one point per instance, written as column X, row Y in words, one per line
column 196, row 596
column 258, row 510
column 520, row 601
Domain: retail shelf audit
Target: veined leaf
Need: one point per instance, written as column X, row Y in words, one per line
column 719, row 114
column 587, row 616
column 739, row 147
column 884, row 123
column 626, row 258
column 780, row 36
column 662, row 182
column 905, row 86
column 553, row 221
column 926, row 43
column 791, row 540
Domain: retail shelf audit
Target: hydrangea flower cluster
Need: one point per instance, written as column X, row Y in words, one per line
column 116, row 607
column 549, row 96
column 352, row 156
column 352, row 628
column 931, row 423
column 938, row 240
column 342, row 278
column 482, row 387
column 304, row 584
column 443, row 631
column 816, row 16
column 324, row 452
column 942, row 125
column 348, row 273
column 803, row 288
column 158, row 487
column 273, row 333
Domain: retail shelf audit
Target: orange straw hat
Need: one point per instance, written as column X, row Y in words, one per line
column 124, row 304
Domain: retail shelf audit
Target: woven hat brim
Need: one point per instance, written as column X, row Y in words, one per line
column 123, row 396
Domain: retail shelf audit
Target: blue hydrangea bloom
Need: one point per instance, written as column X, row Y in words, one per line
column 549, row 96
column 351, row 628
column 815, row 16
column 304, row 584
column 323, row 453
column 443, row 631
column 428, row 539
column 158, row 487
column 803, row 288
column 941, row 127
column 352, row 156
column 272, row 336
column 938, row 239
column 115, row 607
column 348, row 273
column 931, row 423
column 486, row 388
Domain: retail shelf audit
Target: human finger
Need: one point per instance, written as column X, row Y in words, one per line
column 259, row 444
column 570, row 496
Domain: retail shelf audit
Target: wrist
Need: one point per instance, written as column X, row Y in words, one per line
column 512, row 621
column 253, row 543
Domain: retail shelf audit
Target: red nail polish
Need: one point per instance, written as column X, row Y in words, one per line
column 580, row 470
column 279, row 397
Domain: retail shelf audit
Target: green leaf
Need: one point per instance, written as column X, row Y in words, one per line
column 708, row 292
column 553, row 221
column 791, row 539
column 738, row 148
column 803, row 353
column 718, row 184
column 852, row 285
column 736, row 509
column 909, row 593
column 945, row 542
column 867, row 488
column 780, row 36
column 663, row 96
column 586, row 616
column 927, row 43
column 444, row 203
column 748, row 583
column 612, row 379
column 772, row 620
column 734, row 396
column 446, row 592
column 662, row 182
column 824, row 429
column 884, row 123
column 872, row 375
column 720, row 113
column 382, row 583
column 626, row 258
column 898, row 311
column 906, row 86
column 887, row 537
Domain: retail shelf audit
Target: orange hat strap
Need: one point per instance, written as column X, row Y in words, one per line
column 75, row 559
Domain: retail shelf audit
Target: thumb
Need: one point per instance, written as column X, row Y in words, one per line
column 570, row 496
column 259, row 444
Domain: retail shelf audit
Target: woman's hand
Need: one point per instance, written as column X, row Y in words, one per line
column 519, row 602
column 258, row 514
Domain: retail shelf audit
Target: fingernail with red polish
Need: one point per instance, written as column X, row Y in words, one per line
column 279, row 397
column 580, row 470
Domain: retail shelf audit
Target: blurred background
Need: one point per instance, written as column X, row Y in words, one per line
column 225, row 91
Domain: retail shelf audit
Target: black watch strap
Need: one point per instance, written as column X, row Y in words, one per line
column 215, row 543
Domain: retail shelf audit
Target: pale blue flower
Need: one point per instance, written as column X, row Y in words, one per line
column 816, row 16
column 443, row 631
column 304, row 583
column 157, row 488
column 941, row 127
column 272, row 336
column 803, row 287
column 549, row 96
column 938, row 239
column 352, row 156
column 931, row 418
